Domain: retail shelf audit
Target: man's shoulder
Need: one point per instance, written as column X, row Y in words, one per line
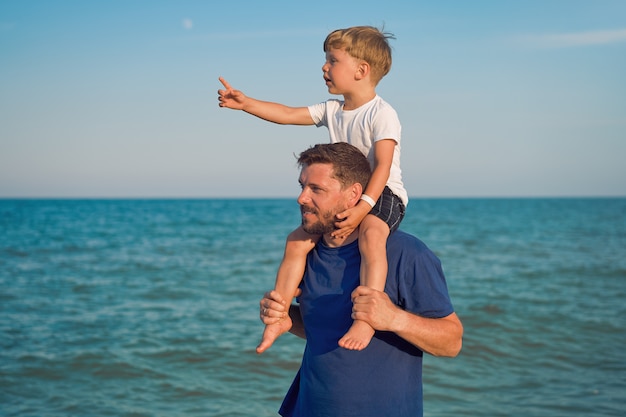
column 405, row 241
column 404, row 247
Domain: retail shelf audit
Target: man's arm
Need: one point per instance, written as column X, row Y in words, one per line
column 438, row 337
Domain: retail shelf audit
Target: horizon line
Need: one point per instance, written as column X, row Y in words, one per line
column 460, row 197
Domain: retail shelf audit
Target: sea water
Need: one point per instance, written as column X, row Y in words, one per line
column 150, row 307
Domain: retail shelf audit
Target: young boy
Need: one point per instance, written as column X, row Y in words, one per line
column 357, row 58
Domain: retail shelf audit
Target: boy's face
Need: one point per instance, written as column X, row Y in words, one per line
column 340, row 71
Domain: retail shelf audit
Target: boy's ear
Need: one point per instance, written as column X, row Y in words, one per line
column 362, row 70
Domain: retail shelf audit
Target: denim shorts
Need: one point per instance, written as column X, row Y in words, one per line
column 390, row 209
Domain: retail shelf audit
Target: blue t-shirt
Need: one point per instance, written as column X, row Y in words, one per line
column 384, row 379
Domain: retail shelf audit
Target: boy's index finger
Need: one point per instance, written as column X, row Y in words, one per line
column 225, row 83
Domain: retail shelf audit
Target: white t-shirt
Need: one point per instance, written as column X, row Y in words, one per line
column 362, row 127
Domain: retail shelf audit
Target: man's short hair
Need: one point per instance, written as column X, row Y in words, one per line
column 366, row 43
column 350, row 166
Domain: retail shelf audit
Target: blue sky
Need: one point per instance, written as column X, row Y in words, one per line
column 496, row 98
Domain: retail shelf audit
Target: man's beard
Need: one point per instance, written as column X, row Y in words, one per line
column 324, row 224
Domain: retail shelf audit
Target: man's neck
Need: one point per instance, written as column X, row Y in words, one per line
column 334, row 242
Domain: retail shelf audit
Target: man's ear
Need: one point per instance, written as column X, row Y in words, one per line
column 355, row 192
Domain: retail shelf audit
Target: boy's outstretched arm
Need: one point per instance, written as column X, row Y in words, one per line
column 272, row 112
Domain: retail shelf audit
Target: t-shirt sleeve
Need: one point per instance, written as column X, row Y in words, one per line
column 421, row 285
column 318, row 114
column 321, row 111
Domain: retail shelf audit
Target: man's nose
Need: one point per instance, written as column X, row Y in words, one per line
column 303, row 198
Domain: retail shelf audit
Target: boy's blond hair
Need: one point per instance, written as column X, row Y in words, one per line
column 366, row 43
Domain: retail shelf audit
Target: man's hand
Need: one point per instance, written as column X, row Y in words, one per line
column 233, row 99
column 436, row 336
column 278, row 318
column 374, row 307
column 272, row 308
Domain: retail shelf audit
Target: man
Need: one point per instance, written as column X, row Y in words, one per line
column 413, row 315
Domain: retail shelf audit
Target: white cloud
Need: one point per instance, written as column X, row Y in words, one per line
column 561, row 40
column 188, row 24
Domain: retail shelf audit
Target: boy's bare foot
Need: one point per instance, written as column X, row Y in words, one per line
column 358, row 336
column 272, row 332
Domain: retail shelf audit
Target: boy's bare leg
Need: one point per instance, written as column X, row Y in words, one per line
column 290, row 272
column 373, row 234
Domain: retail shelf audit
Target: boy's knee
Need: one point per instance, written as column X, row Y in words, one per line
column 301, row 241
column 374, row 229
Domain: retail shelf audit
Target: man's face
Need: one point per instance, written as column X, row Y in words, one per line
column 321, row 198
